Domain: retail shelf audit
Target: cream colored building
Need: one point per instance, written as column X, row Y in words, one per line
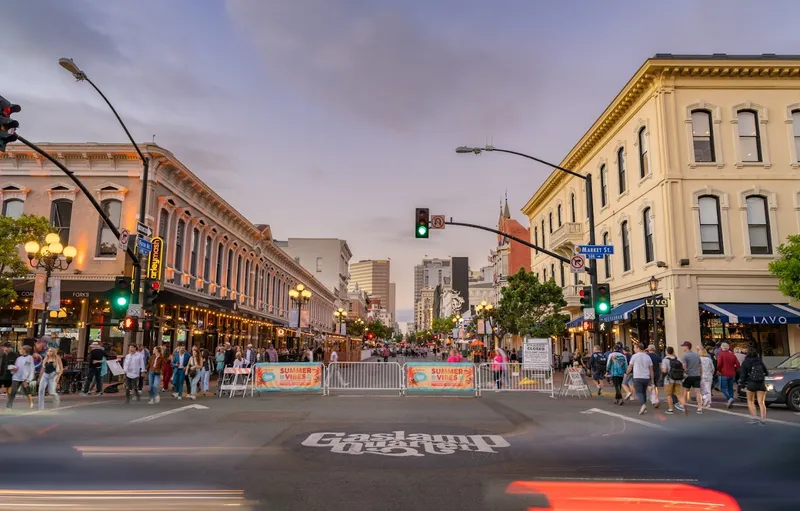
column 695, row 167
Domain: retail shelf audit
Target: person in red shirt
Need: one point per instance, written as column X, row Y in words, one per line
column 727, row 365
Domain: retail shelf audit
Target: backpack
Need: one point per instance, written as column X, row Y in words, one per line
column 618, row 366
column 599, row 362
column 757, row 372
column 676, row 372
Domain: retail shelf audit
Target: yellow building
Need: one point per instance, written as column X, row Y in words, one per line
column 695, row 168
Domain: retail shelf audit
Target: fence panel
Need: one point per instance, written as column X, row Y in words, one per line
column 288, row 376
column 365, row 376
column 514, row 377
column 439, row 377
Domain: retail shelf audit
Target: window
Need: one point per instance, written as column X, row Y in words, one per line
column 543, row 245
column 12, row 208
column 207, row 260
column 563, row 282
column 247, row 278
column 239, row 273
column 163, row 221
column 220, row 252
column 179, row 234
column 644, row 162
column 536, row 237
column 61, row 218
column 623, row 183
column 107, row 242
column 550, row 221
column 796, row 125
column 649, row 256
column 195, row 250
column 572, row 206
column 749, row 136
column 552, row 271
column 710, row 227
column 229, row 269
column 319, row 264
column 558, row 215
column 544, row 274
column 702, row 136
column 607, row 259
column 758, row 225
column 626, row 247
column 603, row 186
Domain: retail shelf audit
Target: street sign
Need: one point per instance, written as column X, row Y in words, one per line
column 143, row 230
column 143, row 246
column 655, row 302
column 124, row 236
column 577, row 263
column 589, row 314
column 134, row 310
column 437, row 221
column 595, row 251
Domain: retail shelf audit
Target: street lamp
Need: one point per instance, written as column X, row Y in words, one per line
column 299, row 295
column 653, row 282
column 592, row 270
column 485, row 310
column 341, row 316
column 50, row 257
column 79, row 75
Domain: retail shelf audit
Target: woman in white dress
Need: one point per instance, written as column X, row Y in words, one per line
column 707, row 366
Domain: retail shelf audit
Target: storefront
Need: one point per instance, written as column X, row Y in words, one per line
column 631, row 323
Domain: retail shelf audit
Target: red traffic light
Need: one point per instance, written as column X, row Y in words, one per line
column 581, row 293
column 155, row 285
column 370, row 336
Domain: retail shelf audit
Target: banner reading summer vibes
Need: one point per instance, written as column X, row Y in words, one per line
column 436, row 376
column 288, row 376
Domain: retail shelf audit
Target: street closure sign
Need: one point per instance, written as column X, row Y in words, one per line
column 437, row 221
column 577, row 263
column 595, row 251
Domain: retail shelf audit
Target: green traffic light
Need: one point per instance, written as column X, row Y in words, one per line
column 422, row 230
column 602, row 307
column 121, row 300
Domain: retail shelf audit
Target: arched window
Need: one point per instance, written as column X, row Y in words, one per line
column 572, row 207
column 644, row 162
column 603, row 186
column 703, row 136
column 536, row 238
column 195, row 252
column 626, row 247
column 239, row 273
column 207, row 260
column 749, row 136
column 550, row 221
column 13, row 208
column 553, row 271
column 229, row 269
column 220, row 253
column 647, row 222
column 107, row 242
column 796, row 132
column 758, row 225
column 61, row 218
column 543, row 244
column 710, row 226
column 621, row 170
column 558, row 214
column 563, row 281
column 259, row 283
column 246, row 278
column 179, row 239
column 607, row 258
column 163, row 222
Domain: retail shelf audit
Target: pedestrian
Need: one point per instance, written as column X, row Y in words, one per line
column 179, row 362
column 249, row 356
column 727, row 367
column 51, row 372
column 272, row 354
column 597, row 364
column 707, row 379
column 166, row 375
column 334, row 370
column 7, row 358
column 454, row 357
column 694, row 374
column 155, row 369
column 205, row 372
column 566, row 359
column 753, row 375
column 145, row 354
column 238, row 360
column 133, row 366
column 673, row 371
column 627, row 382
column 641, row 368
column 497, row 369
column 653, row 390
column 230, row 355
column 194, row 367
column 22, row 376
column 616, row 367
column 94, row 372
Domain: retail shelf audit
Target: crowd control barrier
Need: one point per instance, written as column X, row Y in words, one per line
column 574, row 381
column 439, row 377
column 290, row 376
column 235, row 379
column 364, row 376
column 514, row 377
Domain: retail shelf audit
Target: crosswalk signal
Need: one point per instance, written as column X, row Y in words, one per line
column 8, row 126
column 586, row 297
column 129, row 324
column 152, row 287
column 588, row 326
column 423, row 223
column 120, row 296
column 603, row 304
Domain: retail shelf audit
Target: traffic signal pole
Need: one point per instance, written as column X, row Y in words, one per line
column 592, row 262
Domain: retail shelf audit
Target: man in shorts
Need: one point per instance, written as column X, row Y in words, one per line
column 673, row 372
column 597, row 363
column 694, row 372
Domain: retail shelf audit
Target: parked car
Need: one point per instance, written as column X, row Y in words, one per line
column 783, row 384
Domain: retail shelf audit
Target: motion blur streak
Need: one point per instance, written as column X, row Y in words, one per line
column 128, row 451
column 133, row 499
column 604, row 496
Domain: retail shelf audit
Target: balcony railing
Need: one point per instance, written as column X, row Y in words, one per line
column 572, row 295
column 567, row 236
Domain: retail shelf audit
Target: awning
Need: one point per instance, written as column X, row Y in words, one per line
column 757, row 313
column 622, row 311
column 70, row 288
column 575, row 322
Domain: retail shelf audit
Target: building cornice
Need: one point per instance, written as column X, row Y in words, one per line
column 654, row 73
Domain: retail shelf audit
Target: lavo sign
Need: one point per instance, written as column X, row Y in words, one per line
column 770, row 320
column 398, row 443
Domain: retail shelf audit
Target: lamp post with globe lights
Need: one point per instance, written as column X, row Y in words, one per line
column 300, row 295
column 53, row 256
column 653, row 283
column 341, row 317
column 486, row 310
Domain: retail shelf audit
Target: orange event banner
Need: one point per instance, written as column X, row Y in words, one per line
column 438, row 376
column 287, row 376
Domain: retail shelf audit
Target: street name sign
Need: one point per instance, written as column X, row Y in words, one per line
column 595, row 251
column 577, row 263
column 655, row 302
column 143, row 246
column 124, row 236
column 437, row 221
column 143, row 230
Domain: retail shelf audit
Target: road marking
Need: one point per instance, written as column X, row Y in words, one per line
column 168, row 412
column 625, row 418
column 91, row 451
column 776, row 421
column 55, row 409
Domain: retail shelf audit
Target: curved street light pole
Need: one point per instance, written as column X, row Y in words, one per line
column 79, row 75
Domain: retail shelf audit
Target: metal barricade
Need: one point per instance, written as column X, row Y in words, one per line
column 435, row 377
column 235, row 379
column 514, row 377
column 364, row 376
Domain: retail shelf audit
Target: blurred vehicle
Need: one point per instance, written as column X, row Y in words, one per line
column 783, row 384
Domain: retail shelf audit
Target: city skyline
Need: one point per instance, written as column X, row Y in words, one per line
column 290, row 108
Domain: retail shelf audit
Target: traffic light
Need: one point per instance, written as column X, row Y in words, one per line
column 588, row 326
column 603, row 298
column 129, row 324
column 586, row 297
column 370, row 336
column 151, row 290
column 120, row 296
column 8, row 126
column 423, row 223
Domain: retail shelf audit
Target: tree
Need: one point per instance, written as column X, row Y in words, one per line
column 354, row 327
column 15, row 232
column 398, row 337
column 531, row 308
column 443, row 326
column 380, row 330
column 787, row 268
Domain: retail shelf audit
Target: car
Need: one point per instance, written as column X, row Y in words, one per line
column 783, row 384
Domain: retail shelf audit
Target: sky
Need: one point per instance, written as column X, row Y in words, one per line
column 336, row 118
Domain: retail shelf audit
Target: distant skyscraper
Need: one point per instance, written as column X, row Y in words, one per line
column 372, row 276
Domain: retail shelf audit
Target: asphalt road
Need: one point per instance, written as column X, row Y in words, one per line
column 358, row 450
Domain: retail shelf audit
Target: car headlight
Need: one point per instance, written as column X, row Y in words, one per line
column 773, row 378
column 770, row 387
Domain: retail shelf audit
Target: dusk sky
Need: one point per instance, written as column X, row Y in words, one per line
column 329, row 118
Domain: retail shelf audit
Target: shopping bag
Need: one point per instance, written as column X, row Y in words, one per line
column 654, row 395
column 103, row 368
